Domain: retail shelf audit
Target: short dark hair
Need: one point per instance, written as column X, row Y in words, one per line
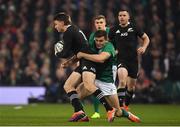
column 62, row 16
column 99, row 17
column 101, row 33
column 127, row 10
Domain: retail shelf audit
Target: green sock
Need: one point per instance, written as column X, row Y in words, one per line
column 125, row 113
column 96, row 104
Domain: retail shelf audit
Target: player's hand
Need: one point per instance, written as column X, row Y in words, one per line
column 64, row 64
column 116, row 52
column 58, row 47
column 141, row 50
column 79, row 55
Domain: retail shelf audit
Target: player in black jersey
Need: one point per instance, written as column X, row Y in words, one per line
column 124, row 36
column 72, row 42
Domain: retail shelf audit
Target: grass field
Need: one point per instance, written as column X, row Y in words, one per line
column 58, row 114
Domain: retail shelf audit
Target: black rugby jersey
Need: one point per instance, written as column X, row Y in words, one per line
column 125, row 40
column 74, row 40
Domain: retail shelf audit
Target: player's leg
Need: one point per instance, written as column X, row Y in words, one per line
column 89, row 83
column 69, row 86
column 110, row 92
column 82, row 91
column 131, row 82
column 122, row 77
column 113, row 100
column 95, row 102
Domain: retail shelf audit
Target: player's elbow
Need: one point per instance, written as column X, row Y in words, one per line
column 145, row 37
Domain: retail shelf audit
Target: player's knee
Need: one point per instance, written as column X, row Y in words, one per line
column 131, row 87
column 67, row 88
column 122, row 83
column 89, row 86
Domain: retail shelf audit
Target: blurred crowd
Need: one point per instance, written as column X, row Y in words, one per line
column 27, row 37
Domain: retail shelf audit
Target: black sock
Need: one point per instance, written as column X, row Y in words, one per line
column 121, row 95
column 75, row 101
column 99, row 95
column 129, row 95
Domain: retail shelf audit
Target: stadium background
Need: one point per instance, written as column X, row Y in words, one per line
column 27, row 37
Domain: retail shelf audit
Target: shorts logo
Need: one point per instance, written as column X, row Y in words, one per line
column 119, row 65
column 93, row 69
column 130, row 30
column 84, row 68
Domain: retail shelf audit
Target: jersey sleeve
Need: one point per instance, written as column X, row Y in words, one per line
column 139, row 32
column 109, row 48
column 79, row 41
column 67, row 44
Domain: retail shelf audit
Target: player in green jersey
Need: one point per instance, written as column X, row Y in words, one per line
column 105, row 73
column 100, row 24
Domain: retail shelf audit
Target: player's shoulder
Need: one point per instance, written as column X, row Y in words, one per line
column 114, row 29
column 92, row 34
column 73, row 28
column 132, row 25
column 109, row 44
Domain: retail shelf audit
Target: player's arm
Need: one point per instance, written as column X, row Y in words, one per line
column 145, row 40
column 62, row 48
column 70, row 61
column 99, row 58
column 144, row 45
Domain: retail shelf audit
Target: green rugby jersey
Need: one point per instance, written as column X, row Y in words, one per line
column 92, row 43
column 104, row 71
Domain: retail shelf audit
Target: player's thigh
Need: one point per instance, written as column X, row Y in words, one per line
column 89, row 81
column 122, row 73
column 122, row 76
column 82, row 91
column 73, row 80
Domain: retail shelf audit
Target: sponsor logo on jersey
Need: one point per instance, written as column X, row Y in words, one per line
column 118, row 31
column 124, row 34
column 130, row 30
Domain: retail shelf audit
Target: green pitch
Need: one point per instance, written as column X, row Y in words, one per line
column 58, row 114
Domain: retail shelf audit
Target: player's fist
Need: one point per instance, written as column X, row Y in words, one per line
column 141, row 50
column 58, row 47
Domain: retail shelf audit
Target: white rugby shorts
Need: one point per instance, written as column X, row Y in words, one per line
column 106, row 88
